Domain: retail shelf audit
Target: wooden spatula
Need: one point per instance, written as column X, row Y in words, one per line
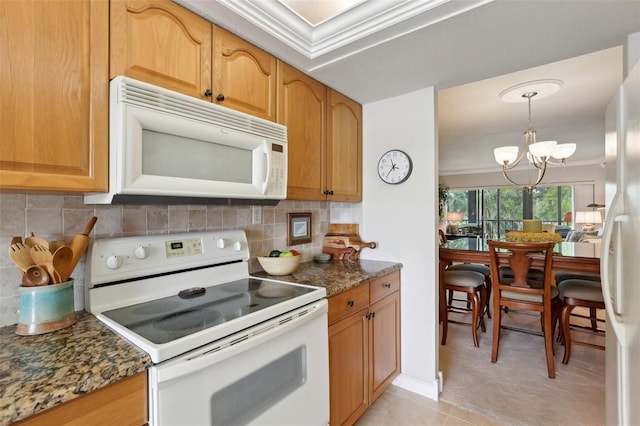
column 21, row 256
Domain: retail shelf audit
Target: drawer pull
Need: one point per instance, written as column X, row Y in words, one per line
column 387, row 285
column 350, row 303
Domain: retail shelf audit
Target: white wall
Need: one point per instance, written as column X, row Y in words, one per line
column 402, row 219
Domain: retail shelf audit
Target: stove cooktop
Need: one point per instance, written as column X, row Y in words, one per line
column 191, row 310
column 170, row 294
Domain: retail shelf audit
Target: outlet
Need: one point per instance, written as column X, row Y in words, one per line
column 256, row 215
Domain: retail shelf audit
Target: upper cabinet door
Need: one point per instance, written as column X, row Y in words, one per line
column 162, row 43
column 244, row 76
column 302, row 108
column 54, row 95
column 344, row 148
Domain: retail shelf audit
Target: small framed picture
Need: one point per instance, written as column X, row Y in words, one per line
column 299, row 227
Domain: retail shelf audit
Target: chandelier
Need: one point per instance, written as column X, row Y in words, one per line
column 538, row 154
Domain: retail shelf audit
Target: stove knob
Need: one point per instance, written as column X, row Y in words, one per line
column 237, row 246
column 114, row 262
column 141, row 252
column 220, row 243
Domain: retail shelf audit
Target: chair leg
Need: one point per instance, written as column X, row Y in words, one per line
column 497, row 318
column 564, row 320
column 444, row 317
column 482, row 307
column 594, row 320
column 548, row 344
column 488, row 300
column 475, row 308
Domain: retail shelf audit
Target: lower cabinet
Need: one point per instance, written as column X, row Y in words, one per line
column 121, row 403
column 364, row 346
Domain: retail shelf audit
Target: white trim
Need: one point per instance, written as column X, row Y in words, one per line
column 430, row 390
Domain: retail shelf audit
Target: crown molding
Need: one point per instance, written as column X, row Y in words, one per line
column 365, row 20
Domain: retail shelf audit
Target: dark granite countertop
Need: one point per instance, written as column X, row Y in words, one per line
column 40, row 372
column 336, row 275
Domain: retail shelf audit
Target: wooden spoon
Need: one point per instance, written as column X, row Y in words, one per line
column 21, row 256
column 55, row 245
column 35, row 276
column 32, row 241
column 43, row 257
column 62, row 262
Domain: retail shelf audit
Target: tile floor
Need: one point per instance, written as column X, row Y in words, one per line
column 399, row 407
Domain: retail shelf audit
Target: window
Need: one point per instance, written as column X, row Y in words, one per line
column 492, row 212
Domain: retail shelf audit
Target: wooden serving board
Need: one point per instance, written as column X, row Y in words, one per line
column 343, row 241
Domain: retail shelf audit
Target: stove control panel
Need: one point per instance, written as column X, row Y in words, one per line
column 187, row 247
column 125, row 258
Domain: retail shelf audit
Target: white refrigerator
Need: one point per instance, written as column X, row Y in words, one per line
column 620, row 257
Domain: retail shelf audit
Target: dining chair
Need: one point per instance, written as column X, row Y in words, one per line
column 574, row 293
column 473, row 285
column 569, row 275
column 475, row 267
column 521, row 293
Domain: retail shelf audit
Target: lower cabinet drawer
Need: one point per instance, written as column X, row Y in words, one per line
column 384, row 286
column 344, row 304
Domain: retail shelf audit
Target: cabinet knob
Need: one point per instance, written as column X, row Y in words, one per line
column 208, row 93
column 350, row 303
column 327, row 192
column 387, row 285
column 220, row 97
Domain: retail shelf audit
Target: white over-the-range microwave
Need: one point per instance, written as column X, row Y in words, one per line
column 169, row 148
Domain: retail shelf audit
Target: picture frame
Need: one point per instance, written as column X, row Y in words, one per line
column 298, row 228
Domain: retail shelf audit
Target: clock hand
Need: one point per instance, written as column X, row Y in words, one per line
column 393, row 167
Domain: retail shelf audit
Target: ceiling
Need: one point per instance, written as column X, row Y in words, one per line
column 469, row 50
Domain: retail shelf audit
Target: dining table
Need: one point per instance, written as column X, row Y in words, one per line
column 567, row 256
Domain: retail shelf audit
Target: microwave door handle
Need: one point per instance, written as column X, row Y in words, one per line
column 267, row 168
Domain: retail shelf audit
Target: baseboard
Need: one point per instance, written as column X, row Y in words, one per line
column 426, row 389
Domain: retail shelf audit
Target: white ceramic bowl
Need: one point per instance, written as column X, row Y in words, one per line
column 279, row 265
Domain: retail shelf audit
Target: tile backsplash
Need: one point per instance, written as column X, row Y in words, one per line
column 56, row 217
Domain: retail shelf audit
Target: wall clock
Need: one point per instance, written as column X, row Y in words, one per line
column 394, row 167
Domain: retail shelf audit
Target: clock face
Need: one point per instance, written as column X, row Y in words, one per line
column 394, row 167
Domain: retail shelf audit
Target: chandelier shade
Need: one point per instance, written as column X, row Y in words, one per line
column 538, row 154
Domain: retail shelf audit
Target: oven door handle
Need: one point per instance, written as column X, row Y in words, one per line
column 237, row 343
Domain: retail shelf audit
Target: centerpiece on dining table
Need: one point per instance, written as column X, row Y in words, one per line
column 532, row 233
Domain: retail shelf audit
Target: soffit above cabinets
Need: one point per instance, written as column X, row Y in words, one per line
column 323, row 32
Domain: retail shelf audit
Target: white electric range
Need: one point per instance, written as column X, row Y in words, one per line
column 256, row 350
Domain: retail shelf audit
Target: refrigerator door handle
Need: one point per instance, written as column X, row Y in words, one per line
column 614, row 307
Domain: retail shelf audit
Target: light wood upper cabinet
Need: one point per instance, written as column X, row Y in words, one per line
column 54, row 95
column 325, row 139
column 244, row 75
column 344, row 148
column 162, row 43
column 302, row 108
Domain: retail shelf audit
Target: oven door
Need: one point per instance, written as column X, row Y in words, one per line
column 276, row 372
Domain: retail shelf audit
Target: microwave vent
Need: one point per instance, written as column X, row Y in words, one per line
column 162, row 100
